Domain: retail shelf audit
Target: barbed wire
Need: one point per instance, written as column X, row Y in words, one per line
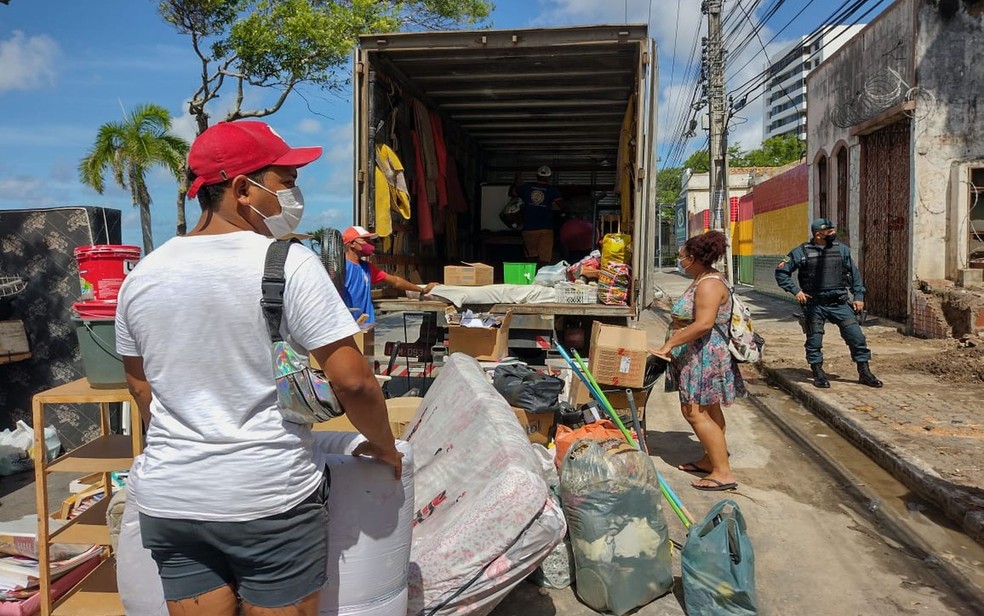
column 881, row 92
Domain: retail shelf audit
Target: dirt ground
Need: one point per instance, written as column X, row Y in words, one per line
column 893, row 352
column 952, row 365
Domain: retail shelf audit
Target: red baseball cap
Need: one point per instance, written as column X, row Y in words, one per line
column 228, row 149
column 353, row 233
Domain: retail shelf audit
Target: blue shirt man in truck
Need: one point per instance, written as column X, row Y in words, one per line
column 539, row 200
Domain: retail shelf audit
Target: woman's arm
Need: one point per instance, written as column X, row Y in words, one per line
column 707, row 301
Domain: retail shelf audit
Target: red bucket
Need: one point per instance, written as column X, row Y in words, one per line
column 102, row 269
column 95, row 310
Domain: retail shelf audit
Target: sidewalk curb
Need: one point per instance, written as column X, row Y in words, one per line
column 959, row 504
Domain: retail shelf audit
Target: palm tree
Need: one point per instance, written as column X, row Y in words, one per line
column 130, row 148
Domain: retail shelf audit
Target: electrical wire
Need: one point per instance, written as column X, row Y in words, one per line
column 824, row 43
column 844, row 12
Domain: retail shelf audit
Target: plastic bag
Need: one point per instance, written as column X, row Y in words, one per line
column 615, row 247
column 619, row 537
column 549, row 275
column 527, row 389
column 557, row 569
column 511, row 214
column 614, row 281
column 718, row 565
column 599, row 430
column 16, row 448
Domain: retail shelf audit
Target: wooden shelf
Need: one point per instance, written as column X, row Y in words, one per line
column 80, row 392
column 9, row 358
column 88, row 528
column 111, row 452
column 95, row 595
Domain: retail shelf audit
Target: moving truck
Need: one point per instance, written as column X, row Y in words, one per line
column 580, row 100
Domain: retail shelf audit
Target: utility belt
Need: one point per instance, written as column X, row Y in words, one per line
column 833, row 300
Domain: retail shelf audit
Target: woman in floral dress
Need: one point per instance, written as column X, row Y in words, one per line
column 701, row 365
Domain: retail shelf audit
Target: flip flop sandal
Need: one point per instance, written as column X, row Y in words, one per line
column 691, row 467
column 720, row 487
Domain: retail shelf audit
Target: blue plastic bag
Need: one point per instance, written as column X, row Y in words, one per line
column 719, row 565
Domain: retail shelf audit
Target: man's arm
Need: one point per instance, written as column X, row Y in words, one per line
column 139, row 388
column 357, row 390
column 405, row 285
column 857, row 285
column 784, row 276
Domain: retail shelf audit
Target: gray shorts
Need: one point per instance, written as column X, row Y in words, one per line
column 272, row 562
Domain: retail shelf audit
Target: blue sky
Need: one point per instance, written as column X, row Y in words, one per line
column 67, row 67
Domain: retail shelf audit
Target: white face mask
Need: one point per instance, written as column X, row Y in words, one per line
column 291, row 209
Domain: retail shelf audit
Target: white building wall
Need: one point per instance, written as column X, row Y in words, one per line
column 832, row 40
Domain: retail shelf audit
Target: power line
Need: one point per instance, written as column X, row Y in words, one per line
column 824, row 43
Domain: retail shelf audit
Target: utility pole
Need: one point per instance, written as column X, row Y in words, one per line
column 717, row 126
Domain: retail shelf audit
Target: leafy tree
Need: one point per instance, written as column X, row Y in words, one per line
column 668, row 185
column 284, row 44
column 776, row 152
column 700, row 161
column 130, row 148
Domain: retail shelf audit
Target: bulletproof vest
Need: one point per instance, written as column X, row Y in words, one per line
column 823, row 270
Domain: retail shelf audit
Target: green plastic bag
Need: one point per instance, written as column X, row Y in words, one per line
column 718, row 565
column 621, row 546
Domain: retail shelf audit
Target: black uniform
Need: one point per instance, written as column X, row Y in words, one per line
column 826, row 274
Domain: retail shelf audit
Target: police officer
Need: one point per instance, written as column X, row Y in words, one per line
column 826, row 272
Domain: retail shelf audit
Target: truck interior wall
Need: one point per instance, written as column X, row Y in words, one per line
column 404, row 253
column 595, row 66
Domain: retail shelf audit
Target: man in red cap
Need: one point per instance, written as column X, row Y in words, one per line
column 230, row 500
column 360, row 275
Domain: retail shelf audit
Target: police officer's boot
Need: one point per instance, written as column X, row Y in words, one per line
column 819, row 377
column 865, row 377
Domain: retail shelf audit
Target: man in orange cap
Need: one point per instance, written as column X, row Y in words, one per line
column 360, row 274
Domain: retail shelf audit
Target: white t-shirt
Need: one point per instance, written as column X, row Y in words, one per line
column 217, row 447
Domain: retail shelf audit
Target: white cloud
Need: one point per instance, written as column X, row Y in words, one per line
column 338, row 156
column 309, row 127
column 677, row 27
column 28, row 62
column 20, row 187
column 184, row 126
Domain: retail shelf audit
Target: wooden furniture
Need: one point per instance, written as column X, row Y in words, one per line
column 96, row 594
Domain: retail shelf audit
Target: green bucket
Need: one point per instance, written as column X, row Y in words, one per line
column 102, row 365
column 518, row 273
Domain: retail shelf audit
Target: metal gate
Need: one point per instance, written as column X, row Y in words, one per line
column 884, row 217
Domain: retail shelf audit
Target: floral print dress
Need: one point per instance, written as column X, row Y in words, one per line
column 704, row 370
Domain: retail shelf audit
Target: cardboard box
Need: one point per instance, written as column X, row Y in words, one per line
column 618, row 355
column 537, row 426
column 468, row 275
column 482, row 344
column 616, row 395
column 400, row 411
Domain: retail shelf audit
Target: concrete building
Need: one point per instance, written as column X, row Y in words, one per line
column 784, row 111
column 696, row 194
column 896, row 149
